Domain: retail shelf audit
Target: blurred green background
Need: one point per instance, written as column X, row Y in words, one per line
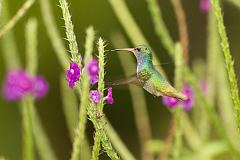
column 100, row 15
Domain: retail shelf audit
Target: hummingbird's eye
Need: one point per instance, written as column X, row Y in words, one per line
column 138, row 49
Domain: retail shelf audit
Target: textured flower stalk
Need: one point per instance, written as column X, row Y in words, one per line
column 76, row 57
column 80, row 134
column 228, row 60
column 101, row 46
column 100, row 134
column 96, row 117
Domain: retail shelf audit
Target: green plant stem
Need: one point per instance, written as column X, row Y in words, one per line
column 99, row 123
column 228, row 61
column 98, row 135
column 138, row 99
column 27, row 102
column 31, row 46
column 178, row 112
column 28, row 144
column 53, row 32
column 9, row 47
column 159, row 26
column 84, row 92
column 76, row 56
column 101, row 46
column 42, row 143
column 20, row 13
column 96, row 113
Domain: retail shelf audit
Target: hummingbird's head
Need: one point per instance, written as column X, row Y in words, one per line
column 143, row 53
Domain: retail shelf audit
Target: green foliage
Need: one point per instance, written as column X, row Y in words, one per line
column 78, row 110
column 228, row 60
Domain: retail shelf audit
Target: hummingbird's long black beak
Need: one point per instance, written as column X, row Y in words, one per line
column 123, row 49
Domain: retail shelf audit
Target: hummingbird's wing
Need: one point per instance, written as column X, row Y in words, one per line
column 130, row 80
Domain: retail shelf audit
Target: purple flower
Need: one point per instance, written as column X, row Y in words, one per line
column 73, row 74
column 95, row 96
column 93, row 68
column 40, row 88
column 188, row 104
column 93, row 79
column 204, row 6
column 109, row 96
column 170, row 101
column 17, row 84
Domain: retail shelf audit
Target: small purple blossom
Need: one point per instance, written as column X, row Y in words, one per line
column 40, row 87
column 204, row 6
column 73, row 74
column 95, row 96
column 17, row 84
column 93, row 70
column 188, row 104
column 109, row 97
column 93, row 79
column 170, row 101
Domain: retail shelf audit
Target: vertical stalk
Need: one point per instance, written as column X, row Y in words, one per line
column 84, row 91
column 228, row 60
column 76, row 56
column 96, row 112
column 178, row 112
column 28, row 144
column 99, row 109
column 42, row 143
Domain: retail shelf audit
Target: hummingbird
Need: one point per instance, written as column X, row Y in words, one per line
column 147, row 76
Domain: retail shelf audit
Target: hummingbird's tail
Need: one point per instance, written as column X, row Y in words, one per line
column 176, row 94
